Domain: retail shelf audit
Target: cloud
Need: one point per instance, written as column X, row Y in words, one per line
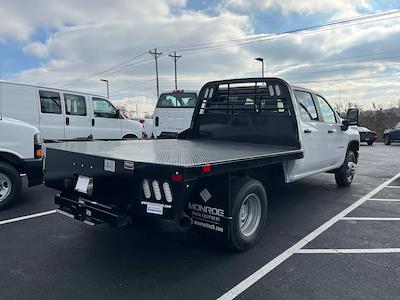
column 37, row 49
column 91, row 36
column 342, row 8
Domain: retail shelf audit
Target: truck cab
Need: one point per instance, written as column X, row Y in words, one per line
column 324, row 136
column 20, row 153
column 173, row 113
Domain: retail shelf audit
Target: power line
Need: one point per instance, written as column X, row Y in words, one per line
column 290, row 33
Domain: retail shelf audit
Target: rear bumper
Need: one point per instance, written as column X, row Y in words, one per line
column 90, row 212
column 34, row 171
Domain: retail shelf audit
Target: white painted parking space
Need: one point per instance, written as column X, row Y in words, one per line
column 27, row 217
column 298, row 247
column 369, row 219
column 348, row 251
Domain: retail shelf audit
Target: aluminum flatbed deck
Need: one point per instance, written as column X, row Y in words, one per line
column 180, row 153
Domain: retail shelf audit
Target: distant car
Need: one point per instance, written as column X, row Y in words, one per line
column 392, row 134
column 366, row 135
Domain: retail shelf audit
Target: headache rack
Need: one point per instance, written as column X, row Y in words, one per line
column 251, row 110
column 246, row 98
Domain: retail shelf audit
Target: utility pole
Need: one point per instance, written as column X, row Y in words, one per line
column 175, row 57
column 156, row 54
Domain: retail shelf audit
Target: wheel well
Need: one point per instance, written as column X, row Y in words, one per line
column 354, row 146
column 130, row 136
column 267, row 175
column 13, row 160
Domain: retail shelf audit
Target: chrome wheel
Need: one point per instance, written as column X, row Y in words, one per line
column 250, row 215
column 5, row 186
column 351, row 169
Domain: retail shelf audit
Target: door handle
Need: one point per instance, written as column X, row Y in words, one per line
column 330, row 131
column 67, row 121
column 93, row 122
column 307, row 130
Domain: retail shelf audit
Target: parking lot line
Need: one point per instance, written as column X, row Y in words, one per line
column 45, row 213
column 348, row 251
column 271, row 265
column 393, row 187
column 384, row 200
column 369, row 219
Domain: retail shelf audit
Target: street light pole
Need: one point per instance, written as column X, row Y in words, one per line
column 262, row 65
column 108, row 88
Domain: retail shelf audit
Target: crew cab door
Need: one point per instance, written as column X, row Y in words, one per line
column 335, row 138
column 77, row 117
column 51, row 118
column 107, row 122
column 312, row 134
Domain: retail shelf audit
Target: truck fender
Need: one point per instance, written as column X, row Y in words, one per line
column 12, row 158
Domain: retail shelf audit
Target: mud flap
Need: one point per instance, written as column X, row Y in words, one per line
column 209, row 206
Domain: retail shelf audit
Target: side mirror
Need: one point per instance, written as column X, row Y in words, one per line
column 345, row 125
column 352, row 117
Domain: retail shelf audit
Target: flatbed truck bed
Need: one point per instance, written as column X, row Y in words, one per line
column 180, row 153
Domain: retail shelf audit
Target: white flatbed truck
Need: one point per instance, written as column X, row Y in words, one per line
column 244, row 135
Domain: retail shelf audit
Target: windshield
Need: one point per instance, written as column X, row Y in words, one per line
column 177, row 100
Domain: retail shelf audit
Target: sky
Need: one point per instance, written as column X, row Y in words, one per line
column 73, row 44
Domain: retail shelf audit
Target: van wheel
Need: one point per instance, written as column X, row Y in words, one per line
column 386, row 140
column 345, row 174
column 249, row 213
column 10, row 184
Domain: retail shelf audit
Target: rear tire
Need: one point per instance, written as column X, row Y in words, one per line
column 249, row 213
column 10, row 184
column 386, row 140
column 345, row 174
column 370, row 143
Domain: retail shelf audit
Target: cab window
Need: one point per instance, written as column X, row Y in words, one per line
column 327, row 112
column 177, row 100
column 50, row 102
column 75, row 105
column 104, row 109
column 308, row 111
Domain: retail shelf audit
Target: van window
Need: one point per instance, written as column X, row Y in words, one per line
column 75, row 105
column 104, row 109
column 177, row 100
column 50, row 102
column 308, row 112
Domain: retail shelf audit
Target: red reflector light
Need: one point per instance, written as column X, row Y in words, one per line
column 207, row 169
column 177, row 178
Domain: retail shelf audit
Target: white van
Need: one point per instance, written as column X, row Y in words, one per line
column 66, row 115
column 173, row 113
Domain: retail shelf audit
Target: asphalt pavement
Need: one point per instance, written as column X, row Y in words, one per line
column 310, row 248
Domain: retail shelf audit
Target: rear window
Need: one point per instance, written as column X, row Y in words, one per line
column 177, row 100
column 50, row 102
